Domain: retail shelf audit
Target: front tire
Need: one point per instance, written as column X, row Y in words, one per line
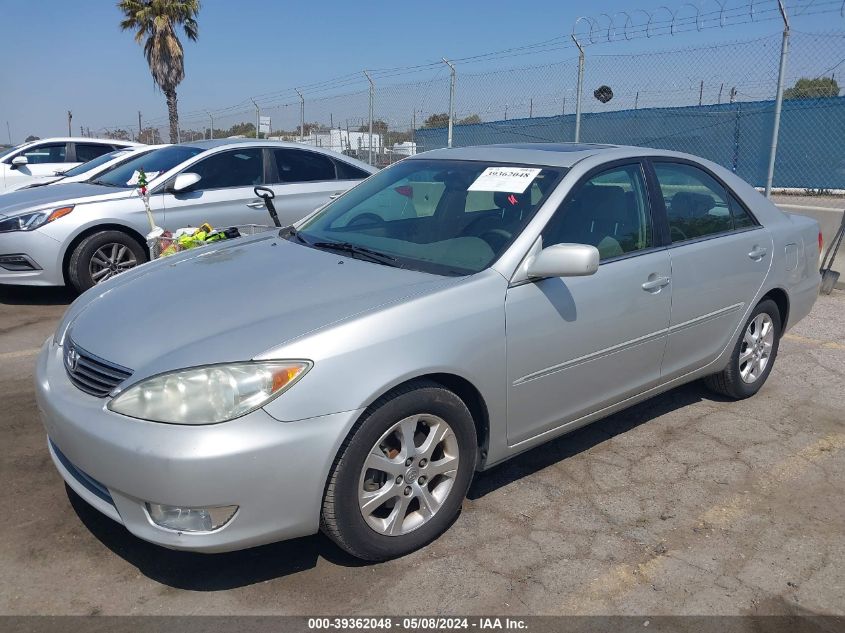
column 753, row 356
column 400, row 477
column 101, row 256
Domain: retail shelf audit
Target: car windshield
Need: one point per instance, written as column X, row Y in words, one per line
column 154, row 163
column 446, row 217
column 96, row 162
column 7, row 151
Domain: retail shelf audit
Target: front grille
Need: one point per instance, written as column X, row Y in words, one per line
column 90, row 373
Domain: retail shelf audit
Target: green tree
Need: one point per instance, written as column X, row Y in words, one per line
column 818, row 88
column 118, row 135
column 437, row 120
column 150, row 136
column 472, row 119
column 379, row 127
column 155, row 23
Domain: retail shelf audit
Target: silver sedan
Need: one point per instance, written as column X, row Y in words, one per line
column 351, row 373
column 84, row 233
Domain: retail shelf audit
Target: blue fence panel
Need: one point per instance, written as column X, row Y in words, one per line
column 811, row 148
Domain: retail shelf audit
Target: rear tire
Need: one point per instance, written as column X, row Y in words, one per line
column 385, row 498
column 101, row 256
column 753, row 355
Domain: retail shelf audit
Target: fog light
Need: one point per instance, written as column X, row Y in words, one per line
column 190, row 519
column 17, row 263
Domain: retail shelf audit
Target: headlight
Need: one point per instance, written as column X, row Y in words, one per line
column 206, row 395
column 31, row 221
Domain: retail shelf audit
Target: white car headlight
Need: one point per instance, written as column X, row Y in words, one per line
column 32, row 220
column 206, row 395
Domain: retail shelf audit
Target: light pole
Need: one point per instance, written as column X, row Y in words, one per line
column 372, row 91
column 451, row 100
column 257, row 118
column 211, row 130
column 301, row 116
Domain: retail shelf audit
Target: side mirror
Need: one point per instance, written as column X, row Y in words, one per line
column 184, row 181
column 564, row 260
column 19, row 161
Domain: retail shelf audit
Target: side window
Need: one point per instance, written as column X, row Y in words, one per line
column 90, row 151
column 345, row 171
column 235, row 168
column 609, row 211
column 742, row 220
column 696, row 204
column 295, row 165
column 49, row 153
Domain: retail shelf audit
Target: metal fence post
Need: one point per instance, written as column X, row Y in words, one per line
column 580, row 89
column 257, row 118
column 370, row 144
column 301, row 115
column 451, row 100
column 784, row 48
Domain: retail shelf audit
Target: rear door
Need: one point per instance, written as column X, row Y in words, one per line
column 304, row 180
column 720, row 256
column 224, row 195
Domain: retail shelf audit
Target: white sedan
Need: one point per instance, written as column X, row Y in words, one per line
column 45, row 157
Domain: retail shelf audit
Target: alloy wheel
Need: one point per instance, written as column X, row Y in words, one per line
column 110, row 260
column 408, row 474
column 756, row 348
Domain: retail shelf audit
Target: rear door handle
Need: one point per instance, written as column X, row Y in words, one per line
column 255, row 204
column 758, row 253
column 656, row 284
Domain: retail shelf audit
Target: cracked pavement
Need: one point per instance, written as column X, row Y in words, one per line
column 684, row 504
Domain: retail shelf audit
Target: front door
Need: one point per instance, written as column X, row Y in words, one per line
column 578, row 344
column 224, row 195
column 720, row 257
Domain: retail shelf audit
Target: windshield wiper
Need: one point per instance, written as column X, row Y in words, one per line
column 354, row 249
column 101, row 183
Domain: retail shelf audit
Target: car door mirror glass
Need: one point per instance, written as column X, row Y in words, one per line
column 19, row 161
column 564, row 260
column 184, row 182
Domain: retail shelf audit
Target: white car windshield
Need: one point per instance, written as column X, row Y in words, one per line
column 446, row 217
column 96, row 162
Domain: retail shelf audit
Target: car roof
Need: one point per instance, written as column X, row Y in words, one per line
column 81, row 139
column 248, row 142
column 541, row 154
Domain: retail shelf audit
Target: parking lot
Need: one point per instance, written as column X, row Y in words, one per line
column 683, row 504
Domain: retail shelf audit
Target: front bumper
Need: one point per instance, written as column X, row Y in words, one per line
column 39, row 248
column 274, row 471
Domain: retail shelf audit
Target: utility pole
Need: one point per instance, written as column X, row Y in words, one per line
column 372, row 94
column 9, row 132
column 257, row 118
column 637, row 100
column 531, row 108
column 784, row 49
column 580, row 88
column 301, row 115
column 451, row 100
column 719, row 101
column 701, row 92
column 211, row 130
column 139, row 126
column 69, row 117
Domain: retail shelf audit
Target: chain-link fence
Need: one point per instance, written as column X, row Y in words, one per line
column 719, row 101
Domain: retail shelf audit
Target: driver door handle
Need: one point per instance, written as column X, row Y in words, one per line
column 335, row 195
column 255, row 204
column 656, row 283
column 758, row 253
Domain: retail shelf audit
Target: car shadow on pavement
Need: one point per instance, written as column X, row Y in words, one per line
column 216, row 572
column 33, row 295
column 209, row 572
column 587, row 437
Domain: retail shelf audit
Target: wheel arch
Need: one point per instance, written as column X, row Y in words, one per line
column 781, row 299
column 466, row 391
column 91, row 230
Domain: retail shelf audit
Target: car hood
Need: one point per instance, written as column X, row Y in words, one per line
column 231, row 303
column 58, row 194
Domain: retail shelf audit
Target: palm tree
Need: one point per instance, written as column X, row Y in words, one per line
column 155, row 23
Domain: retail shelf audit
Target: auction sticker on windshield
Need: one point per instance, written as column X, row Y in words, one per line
column 506, row 179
